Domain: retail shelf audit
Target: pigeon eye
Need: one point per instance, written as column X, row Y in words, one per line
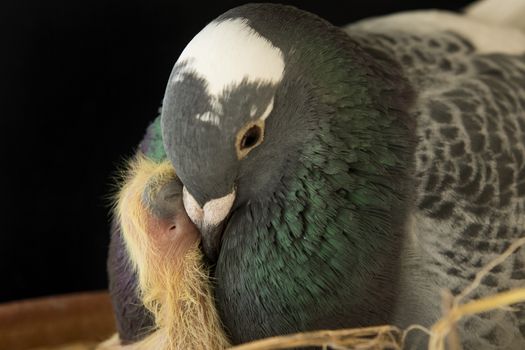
column 249, row 137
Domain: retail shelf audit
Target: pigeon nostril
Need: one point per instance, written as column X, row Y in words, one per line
column 172, row 227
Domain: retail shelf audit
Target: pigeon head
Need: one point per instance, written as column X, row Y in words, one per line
column 244, row 98
column 235, row 110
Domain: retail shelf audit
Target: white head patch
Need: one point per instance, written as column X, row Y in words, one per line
column 226, row 53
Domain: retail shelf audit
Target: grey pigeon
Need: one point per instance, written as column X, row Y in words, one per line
column 344, row 178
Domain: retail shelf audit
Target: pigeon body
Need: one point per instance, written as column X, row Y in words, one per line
column 343, row 178
column 134, row 322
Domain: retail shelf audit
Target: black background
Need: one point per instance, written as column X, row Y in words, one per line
column 79, row 83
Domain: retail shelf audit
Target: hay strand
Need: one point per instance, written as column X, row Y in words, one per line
column 380, row 337
column 487, row 268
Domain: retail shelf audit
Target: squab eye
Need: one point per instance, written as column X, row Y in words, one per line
column 249, row 137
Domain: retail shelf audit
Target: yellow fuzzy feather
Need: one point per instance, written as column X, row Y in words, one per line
column 173, row 282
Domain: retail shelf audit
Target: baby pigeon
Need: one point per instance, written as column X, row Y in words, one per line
column 159, row 287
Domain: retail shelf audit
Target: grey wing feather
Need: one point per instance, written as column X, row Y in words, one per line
column 471, row 169
column 470, row 173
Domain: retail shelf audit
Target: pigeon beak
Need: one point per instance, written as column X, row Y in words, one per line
column 209, row 219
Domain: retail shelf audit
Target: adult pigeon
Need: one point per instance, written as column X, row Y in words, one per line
column 342, row 178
